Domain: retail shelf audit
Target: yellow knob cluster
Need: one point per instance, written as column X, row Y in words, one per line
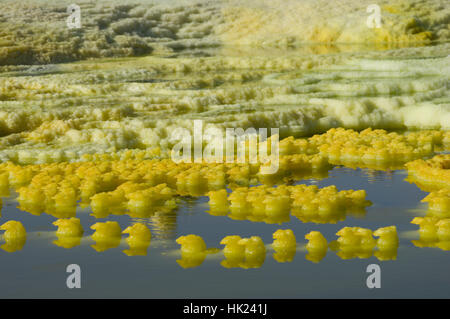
column 346, row 146
column 274, row 204
column 15, row 236
column 243, row 252
column 284, row 244
column 433, row 232
column 355, row 242
column 439, row 202
column 430, row 174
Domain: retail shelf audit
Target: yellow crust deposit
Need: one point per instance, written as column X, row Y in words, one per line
column 243, row 252
column 430, row 174
column 274, row 204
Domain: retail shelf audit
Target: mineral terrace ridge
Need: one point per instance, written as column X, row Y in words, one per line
column 225, row 63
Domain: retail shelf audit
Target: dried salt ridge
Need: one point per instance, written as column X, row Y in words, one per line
column 35, row 32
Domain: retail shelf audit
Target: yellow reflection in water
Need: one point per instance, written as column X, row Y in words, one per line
column 317, row 246
column 193, row 251
column 69, row 232
column 107, row 235
column 433, row 232
column 355, row 242
column 274, row 204
column 15, row 236
column 284, row 245
column 139, row 239
column 243, row 252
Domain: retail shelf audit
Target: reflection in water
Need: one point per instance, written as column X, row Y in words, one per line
column 439, row 202
column 164, row 225
column 69, row 227
column 191, row 260
column 317, row 246
column 243, row 252
column 355, row 242
column 37, row 208
column 307, row 49
column 139, row 239
column 433, row 232
column 284, row 245
column 107, row 235
column 15, row 236
column 327, row 217
column 191, row 244
column 273, row 204
column 378, row 175
column 13, row 230
column 69, row 232
column 432, row 174
column 13, row 245
column 193, row 251
column 67, row 242
column 444, row 245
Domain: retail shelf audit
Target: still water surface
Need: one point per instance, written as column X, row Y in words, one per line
column 39, row 269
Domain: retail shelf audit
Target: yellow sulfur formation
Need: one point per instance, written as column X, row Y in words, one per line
column 136, row 187
column 139, row 235
column 431, row 174
column 69, row 227
column 433, row 232
column 357, row 242
column 192, row 259
column 15, row 236
column 243, row 252
column 13, row 230
column 255, row 252
column 439, row 202
column 193, row 251
column 388, row 238
column 317, row 246
column 355, row 237
column 432, row 228
column 284, row 239
column 308, row 203
column 316, row 241
column 233, row 251
column 106, row 230
column 67, row 242
column 69, row 232
column 284, row 245
column 218, row 201
column 107, row 235
column 139, row 239
column 192, row 244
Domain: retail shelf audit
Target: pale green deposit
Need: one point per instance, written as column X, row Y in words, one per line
column 35, row 31
column 199, row 63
